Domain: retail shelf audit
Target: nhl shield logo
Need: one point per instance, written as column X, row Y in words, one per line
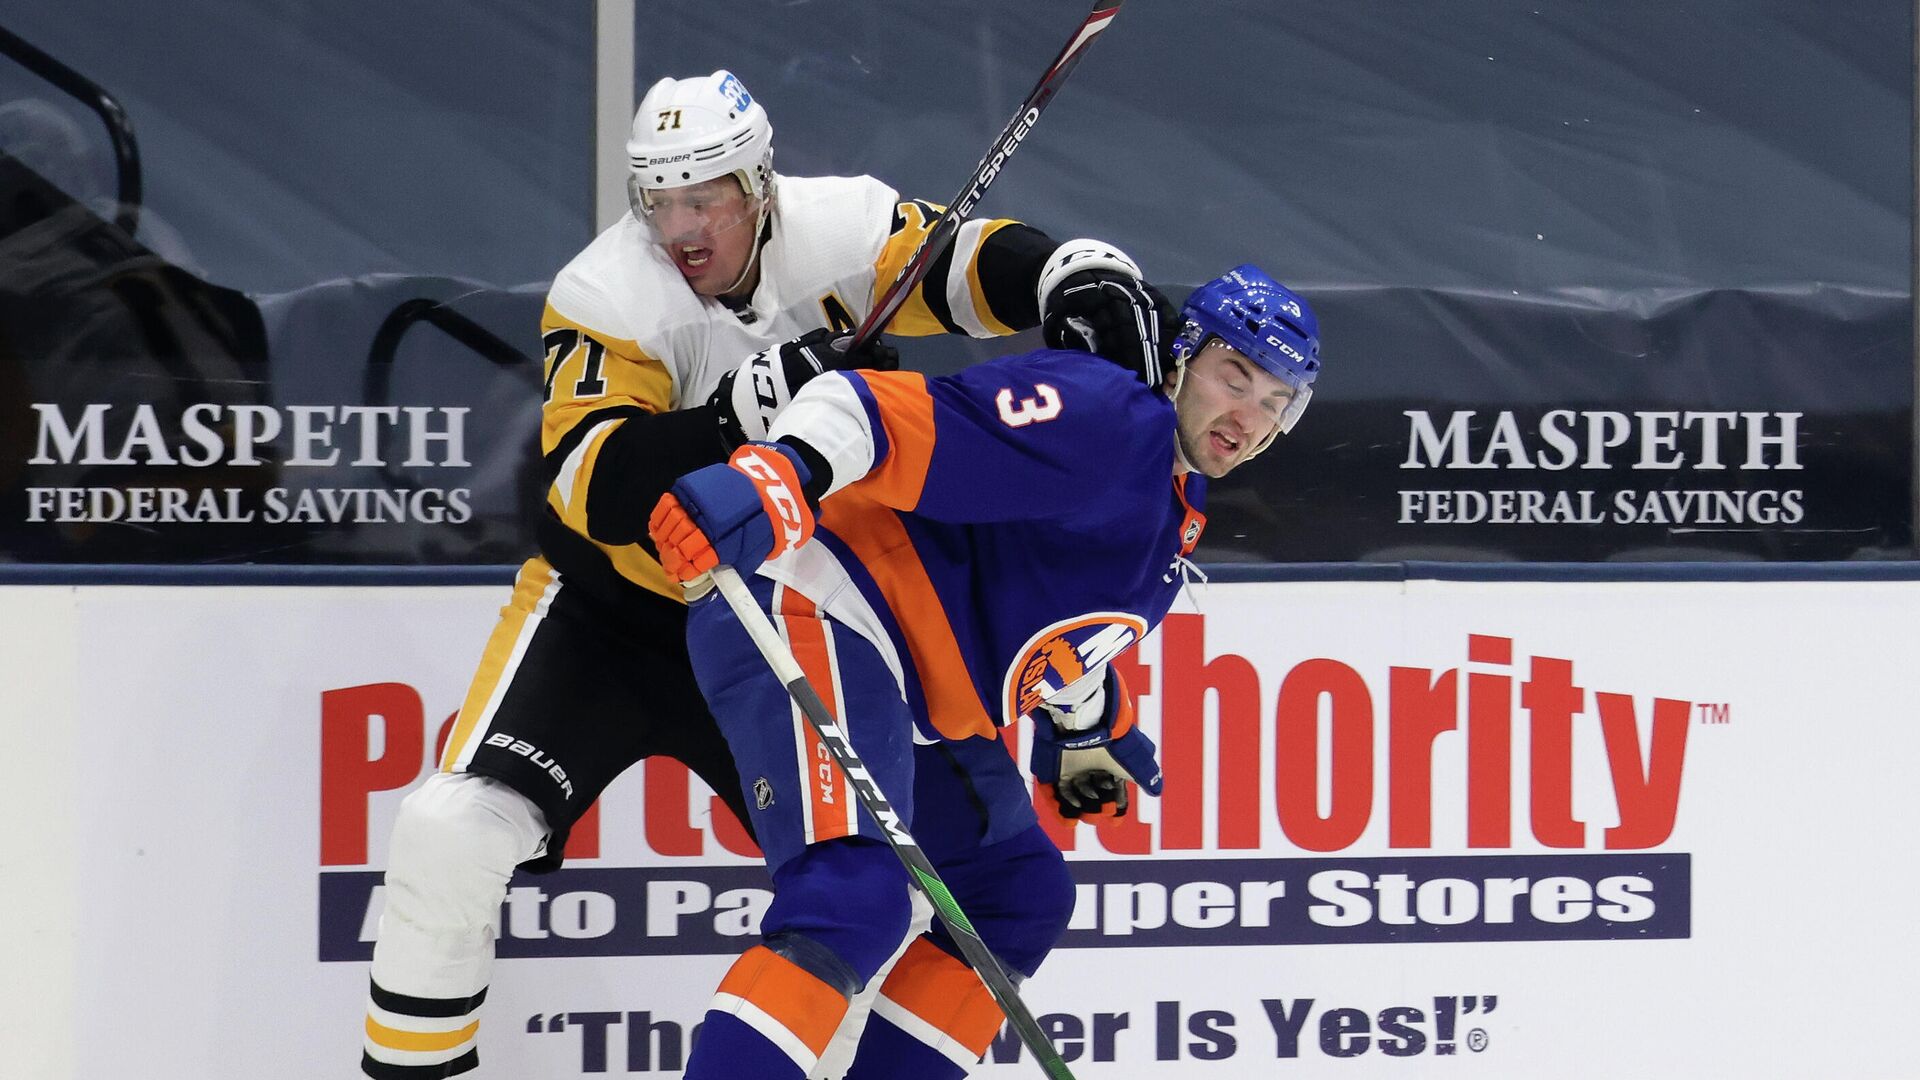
column 762, row 793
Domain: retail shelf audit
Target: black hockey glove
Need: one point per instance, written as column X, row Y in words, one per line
column 1095, row 300
column 750, row 396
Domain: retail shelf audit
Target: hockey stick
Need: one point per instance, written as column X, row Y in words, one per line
column 984, row 173
column 919, row 868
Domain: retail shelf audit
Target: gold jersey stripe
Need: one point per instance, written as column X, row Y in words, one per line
column 626, row 375
column 418, row 1041
column 500, row 657
column 631, row 377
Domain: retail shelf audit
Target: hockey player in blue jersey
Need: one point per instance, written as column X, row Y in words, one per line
column 985, row 543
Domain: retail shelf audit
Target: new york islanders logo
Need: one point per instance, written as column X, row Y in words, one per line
column 1064, row 652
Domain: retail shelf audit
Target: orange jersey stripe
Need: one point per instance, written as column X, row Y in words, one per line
column 792, row 996
column 879, row 540
column 946, row 993
column 906, row 409
column 827, row 796
column 1123, row 715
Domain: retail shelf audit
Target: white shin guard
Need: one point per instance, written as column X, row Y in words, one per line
column 455, row 845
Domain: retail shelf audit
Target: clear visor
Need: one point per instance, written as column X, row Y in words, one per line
column 1283, row 412
column 1297, row 404
column 695, row 214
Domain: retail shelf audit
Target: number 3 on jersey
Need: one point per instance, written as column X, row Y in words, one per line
column 1043, row 406
column 562, row 347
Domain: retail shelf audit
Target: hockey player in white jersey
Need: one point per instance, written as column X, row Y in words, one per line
column 663, row 343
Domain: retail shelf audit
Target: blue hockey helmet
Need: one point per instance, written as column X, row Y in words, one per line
column 1262, row 320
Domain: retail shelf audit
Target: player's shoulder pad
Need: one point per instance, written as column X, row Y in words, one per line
column 837, row 195
column 1099, row 401
column 623, row 288
column 834, row 225
column 1093, row 375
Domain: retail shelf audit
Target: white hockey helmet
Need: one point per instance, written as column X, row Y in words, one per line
column 688, row 131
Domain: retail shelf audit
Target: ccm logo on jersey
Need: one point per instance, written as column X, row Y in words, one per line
column 1064, row 652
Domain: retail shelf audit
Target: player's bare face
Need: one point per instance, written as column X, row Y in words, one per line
column 707, row 229
column 1227, row 408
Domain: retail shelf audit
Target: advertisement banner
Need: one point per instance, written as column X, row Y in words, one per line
column 1496, row 829
column 393, row 427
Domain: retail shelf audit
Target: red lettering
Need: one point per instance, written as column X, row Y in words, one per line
column 349, row 773
column 583, row 840
column 1648, row 797
column 665, row 810
column 1552, row 701
column 1236, row 685
column 1297, row 754
column 1419, row 708
column 1489, row 745
column 667, row 817
column 1135, row 672
column 727, row 829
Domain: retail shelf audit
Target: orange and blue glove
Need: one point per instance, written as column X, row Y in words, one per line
column 741, row 513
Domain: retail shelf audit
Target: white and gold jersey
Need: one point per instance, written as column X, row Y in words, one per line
column 624, row 335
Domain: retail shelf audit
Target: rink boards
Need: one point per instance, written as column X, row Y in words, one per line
column 1412, row 827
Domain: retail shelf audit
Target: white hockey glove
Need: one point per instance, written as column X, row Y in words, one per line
column 1086, row 747
column 750, row 396
column 1093, row 298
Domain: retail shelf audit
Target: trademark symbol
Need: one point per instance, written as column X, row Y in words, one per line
column 1714, row 712
column 1477, row 1040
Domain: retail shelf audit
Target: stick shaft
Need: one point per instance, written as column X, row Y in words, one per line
column 919, row 868
column 984, row 174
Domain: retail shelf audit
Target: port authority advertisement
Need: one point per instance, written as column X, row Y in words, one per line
column 1410, row 829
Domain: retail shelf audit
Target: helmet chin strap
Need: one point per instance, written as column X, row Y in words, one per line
column 1179, row 441
column 753, row 256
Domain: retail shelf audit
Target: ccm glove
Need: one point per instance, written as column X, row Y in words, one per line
column 751, row 395
column 1093, row 299
column 740, row 513
column 1086, row 751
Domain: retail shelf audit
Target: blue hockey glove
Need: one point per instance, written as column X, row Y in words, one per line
column 740, row 513
column 1087, row 769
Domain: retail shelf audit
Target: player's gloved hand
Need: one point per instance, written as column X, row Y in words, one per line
column 741, row 513
column 1093, row 298
column 751, row 395
column 1085, row 751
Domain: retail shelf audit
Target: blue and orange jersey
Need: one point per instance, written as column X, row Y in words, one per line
column 1004, row 531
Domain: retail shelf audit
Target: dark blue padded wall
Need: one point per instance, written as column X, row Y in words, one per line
column 1674, row 237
